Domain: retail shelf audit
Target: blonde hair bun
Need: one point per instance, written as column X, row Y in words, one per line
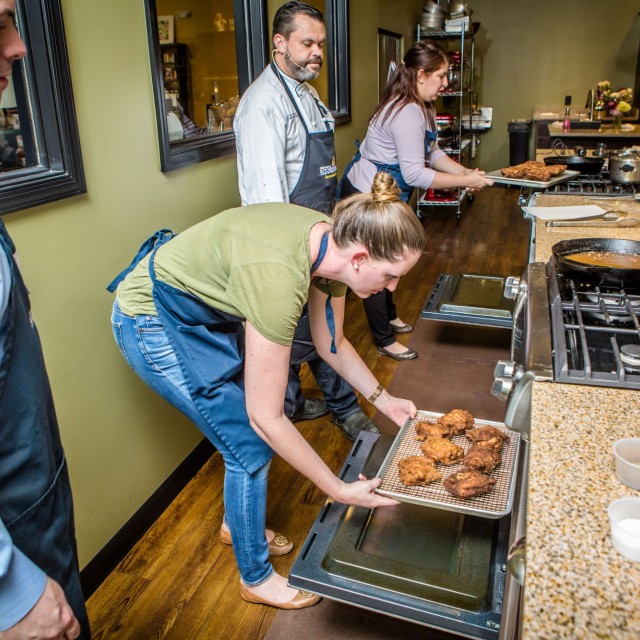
column 384, row 188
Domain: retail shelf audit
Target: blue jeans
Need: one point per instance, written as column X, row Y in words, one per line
column 146, row 348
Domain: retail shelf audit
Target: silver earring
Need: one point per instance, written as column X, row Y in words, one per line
column 356, row 266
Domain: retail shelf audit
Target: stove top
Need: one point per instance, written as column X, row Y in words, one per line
column 596, row 333
column 584, row 185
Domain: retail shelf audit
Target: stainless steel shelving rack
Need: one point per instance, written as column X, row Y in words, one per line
column 464, row 97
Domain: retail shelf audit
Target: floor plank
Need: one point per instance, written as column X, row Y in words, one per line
column 179, row 581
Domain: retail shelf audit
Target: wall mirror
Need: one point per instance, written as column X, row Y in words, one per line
column 40, row 158
column 205, row 53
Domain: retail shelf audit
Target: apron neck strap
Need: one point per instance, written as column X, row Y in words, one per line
column 328, row 309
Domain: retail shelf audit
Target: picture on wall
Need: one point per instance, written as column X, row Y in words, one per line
column 165, row 29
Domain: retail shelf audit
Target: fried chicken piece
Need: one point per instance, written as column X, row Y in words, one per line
column 442, row 450
column 425, row 428
column 468, row 483
column 494, row 443
column 417, row 471
column 483, row 459
column 486, row 433
column 458, row 421
column 534, row 170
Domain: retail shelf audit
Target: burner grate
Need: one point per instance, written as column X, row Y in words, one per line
column 597, row 185
column 592, row 332
column 494, row 504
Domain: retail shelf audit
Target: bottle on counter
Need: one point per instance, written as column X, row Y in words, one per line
column 566, row 123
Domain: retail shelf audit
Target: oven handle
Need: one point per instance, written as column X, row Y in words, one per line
column 513, row 592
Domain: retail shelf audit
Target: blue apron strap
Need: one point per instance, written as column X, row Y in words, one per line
column 346, row 171
column 159, row 237
column 328, row 309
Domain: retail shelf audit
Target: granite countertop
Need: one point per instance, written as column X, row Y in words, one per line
column 577, row 585
column 606, row 131
column 546, row 237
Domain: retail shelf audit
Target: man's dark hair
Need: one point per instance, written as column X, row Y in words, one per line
column 285, row 15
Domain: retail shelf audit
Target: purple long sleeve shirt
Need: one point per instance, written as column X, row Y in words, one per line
column 400, row 140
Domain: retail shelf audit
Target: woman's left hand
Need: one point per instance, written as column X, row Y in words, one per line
column 397, row 409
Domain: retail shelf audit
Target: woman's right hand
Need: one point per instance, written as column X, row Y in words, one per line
column 477, row 179
column 361, row 494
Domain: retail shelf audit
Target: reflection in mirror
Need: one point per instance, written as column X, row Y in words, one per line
column 40, row 157
column 199, row 63
column 202, row 59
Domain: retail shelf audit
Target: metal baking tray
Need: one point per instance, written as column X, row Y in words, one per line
column 497, row 176
column 495, row 504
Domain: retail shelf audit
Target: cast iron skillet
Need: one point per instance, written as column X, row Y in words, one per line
column 586, row 166
column 584, row 274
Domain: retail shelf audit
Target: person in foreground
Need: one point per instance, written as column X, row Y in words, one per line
column 402, row 140
column 40, row 594
column 178, row 321
column 286, row 153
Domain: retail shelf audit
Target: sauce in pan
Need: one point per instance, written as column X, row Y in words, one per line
column 606, row 259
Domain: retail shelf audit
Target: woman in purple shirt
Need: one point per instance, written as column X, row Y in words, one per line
column 401, row 140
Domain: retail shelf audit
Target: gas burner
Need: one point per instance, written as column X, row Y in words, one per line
column 630, row 356
column 611, row 308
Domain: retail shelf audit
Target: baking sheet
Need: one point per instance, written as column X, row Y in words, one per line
column 497, row 177
column 495, row 504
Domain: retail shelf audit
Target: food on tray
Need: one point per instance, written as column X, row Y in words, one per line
column 426, row 428
column 534, row 170
column 468, row 483
column 442, row 450
column 483, row 459
column 458, row 421
column 417, row 470
column 486, row 433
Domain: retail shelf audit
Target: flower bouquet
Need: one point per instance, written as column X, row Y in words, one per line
column 615, row 103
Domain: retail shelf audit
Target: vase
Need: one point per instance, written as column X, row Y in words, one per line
column 617, row 123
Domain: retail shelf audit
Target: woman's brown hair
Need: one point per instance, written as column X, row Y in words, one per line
column 379, row 220
column 402, row 88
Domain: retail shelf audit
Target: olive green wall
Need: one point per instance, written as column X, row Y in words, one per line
column 533, row 54
column 121, row 440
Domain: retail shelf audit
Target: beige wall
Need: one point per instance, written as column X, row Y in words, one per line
column 121, row 440
column 533, row 54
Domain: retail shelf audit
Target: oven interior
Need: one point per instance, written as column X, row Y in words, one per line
column 438, row 568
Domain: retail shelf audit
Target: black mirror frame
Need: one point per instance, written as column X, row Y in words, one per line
column 339, row 62
column 252, row 47
column 58, row 172
column 252, row 52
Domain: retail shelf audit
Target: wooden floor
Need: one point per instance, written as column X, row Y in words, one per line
column 179, row 582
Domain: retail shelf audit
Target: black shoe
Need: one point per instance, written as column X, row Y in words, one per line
column 356, row 423
column 401, row 328
column 409, row 354
column 311, row 409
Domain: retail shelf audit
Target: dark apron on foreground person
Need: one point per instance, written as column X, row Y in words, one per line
column 315, row 189
column 35, row 496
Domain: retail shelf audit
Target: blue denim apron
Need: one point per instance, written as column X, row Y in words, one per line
column 406, row 190
column 316, row 186
column 209, row 346
column 35, row 497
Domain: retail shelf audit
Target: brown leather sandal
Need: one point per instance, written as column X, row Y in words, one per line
column 302, row 599
column 279, row 546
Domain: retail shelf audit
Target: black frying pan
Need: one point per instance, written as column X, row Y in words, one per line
column 584, row 274
column 586, row 166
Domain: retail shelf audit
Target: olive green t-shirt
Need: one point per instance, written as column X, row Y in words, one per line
column 252, row 262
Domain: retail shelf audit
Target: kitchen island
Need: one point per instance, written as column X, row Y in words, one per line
column 577, row 585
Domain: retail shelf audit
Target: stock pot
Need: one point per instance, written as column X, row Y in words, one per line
column 624, row 166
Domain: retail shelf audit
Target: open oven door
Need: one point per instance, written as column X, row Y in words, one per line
column 432, row 567
column 469, row 298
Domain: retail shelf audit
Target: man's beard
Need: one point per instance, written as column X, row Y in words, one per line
column 300, row 71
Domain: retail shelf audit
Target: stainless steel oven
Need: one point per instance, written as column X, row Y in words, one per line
column 434, row 567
